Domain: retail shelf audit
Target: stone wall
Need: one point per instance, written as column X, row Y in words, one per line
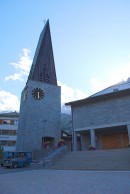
column 105, row 112
column 39, row 118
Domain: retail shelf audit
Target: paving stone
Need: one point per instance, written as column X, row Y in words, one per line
column 65, row 182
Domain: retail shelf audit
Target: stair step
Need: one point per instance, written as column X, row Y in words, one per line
column 118, row 159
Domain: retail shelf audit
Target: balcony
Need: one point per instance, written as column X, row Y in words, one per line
column 8, row 137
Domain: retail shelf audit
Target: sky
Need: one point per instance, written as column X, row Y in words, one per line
column 91, row 45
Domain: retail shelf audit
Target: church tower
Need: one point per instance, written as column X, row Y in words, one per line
column 40, row 109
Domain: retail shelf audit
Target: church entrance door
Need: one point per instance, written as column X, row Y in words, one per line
column 115, row 141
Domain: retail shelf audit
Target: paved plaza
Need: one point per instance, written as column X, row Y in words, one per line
column 44, row 181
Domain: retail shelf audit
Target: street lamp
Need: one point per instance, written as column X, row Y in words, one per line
column 43, row 121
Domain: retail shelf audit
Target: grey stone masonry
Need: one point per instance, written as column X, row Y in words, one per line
column 105, row 112
column 39, row 118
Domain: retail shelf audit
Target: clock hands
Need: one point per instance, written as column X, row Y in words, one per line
column 38, row 96
column 38, row 93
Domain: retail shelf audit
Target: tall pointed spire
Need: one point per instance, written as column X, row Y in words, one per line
column 43, row 66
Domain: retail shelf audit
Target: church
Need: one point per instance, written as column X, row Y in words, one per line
column 40, row 108
column 102, row 121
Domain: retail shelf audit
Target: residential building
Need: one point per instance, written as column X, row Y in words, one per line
column 8, row 130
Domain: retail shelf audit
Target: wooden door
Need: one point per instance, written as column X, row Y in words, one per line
column 115, row 141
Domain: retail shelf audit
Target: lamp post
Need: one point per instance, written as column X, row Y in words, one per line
column 43, row 132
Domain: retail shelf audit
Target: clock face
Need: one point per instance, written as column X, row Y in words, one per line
column 38, row 93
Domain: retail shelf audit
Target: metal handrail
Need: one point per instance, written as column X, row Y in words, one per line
column 49, row 159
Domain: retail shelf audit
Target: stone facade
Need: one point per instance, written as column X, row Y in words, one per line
column 39, row 118
column 40, row 110
column 105, row 112
column 101, row 121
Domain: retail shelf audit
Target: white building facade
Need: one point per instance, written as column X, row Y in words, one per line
column 8, row 130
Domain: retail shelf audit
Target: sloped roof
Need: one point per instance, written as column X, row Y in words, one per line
column 113, row 88
column 9, row 114
column 119, row 89
column 43, row 66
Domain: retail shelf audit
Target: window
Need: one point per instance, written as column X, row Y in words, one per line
column 7, row 143
column 4, row 142
column 13, row 132
column 6, row 121
column 5, row 132
column 13, row 143
column 8, row 132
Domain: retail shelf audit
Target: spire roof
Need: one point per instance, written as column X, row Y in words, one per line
column 43, row 66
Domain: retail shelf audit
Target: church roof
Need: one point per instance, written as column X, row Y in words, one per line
column 119, row 89
column 43, row 66
column 114, row 88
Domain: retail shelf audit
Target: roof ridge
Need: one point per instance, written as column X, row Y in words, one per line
column 117, row 84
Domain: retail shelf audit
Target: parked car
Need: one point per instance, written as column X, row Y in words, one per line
column 17, row 159
column 16, row 162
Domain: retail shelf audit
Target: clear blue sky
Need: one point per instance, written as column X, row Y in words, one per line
column 91, row 43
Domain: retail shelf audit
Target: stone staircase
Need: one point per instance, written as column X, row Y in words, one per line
column 116, row 159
